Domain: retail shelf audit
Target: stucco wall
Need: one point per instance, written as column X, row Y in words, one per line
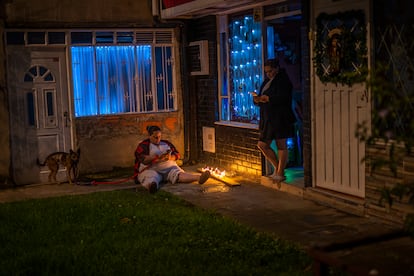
column 4, row 116
column 110, row 141
column 106, row 141
column 63, row 13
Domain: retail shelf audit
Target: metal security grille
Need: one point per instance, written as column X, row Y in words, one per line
column 395, row 52
column 395, row 48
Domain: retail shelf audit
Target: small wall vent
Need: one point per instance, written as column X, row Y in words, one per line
column 198, row 55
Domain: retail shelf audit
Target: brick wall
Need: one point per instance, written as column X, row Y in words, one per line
column 391, row 25
column 203, row 89
column 307, row 134
column 382, row 178
column 235, row 147
column 236, row 151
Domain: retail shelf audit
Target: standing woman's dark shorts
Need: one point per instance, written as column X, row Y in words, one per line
column 277, row 126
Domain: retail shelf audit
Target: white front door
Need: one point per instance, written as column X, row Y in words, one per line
column 39, row 112
column 337, row 110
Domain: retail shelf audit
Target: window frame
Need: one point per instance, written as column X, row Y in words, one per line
column 263, row 13
column 159, row 39
column 223, row 52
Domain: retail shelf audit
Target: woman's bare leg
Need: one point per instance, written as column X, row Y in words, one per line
column 283, row 156
column 188, row 177
column 184, row 177
column 269, row 154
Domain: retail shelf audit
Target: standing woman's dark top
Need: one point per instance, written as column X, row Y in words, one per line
column 276, row 116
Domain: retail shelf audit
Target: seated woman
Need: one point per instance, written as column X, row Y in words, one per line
column 155, row 161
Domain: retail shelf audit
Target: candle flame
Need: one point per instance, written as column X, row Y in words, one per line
column 215, row 171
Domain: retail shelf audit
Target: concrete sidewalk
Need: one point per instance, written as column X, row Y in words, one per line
column 356, row 241
column 363, row 244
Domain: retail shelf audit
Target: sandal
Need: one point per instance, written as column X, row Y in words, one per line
column 153, row 188
column 204, row 177
column 278, row 178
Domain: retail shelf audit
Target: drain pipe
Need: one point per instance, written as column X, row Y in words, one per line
column 155, row 8
column 186, row 97
column 184, row 75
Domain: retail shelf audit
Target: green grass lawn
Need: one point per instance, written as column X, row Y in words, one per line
column 134, row 233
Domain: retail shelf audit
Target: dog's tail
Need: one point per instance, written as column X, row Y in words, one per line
column 40, row 164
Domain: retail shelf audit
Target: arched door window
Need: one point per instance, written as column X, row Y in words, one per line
column 39, row 74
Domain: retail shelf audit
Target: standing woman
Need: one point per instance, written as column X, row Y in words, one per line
column 276, row 117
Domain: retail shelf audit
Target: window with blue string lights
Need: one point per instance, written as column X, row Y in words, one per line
column 245, row 68
column 244, row 44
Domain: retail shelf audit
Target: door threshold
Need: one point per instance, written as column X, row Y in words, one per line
column 295, row 188
column 346, row 203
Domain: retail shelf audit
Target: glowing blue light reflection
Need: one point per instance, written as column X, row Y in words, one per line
column 245, row 68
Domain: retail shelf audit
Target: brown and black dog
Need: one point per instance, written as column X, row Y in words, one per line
column 67, row 159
